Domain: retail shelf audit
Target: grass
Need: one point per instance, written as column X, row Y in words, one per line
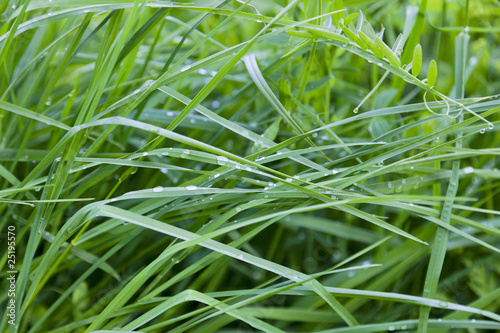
column 242, row 166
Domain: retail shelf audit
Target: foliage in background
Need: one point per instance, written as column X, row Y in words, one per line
column 242, row 166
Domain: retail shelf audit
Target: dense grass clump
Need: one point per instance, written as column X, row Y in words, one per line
column 244, row 166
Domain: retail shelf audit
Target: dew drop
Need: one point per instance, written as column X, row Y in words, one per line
column 468, row 170
column 215, row 104
column 222, row 160
column 170, row 113
column 443, row 304
column 391, row 328
column 289, row 180
column 356, row 110
column 185, row 68
column 482, row 131
column 191, row 188
column 490, row 126
column 147, row 84
column 185, row 153
column 158, row 189
column 145, row 153
column 335, row 171
column 238, row 209
column 381, row 163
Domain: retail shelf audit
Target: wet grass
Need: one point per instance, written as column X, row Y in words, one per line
column 237, row 166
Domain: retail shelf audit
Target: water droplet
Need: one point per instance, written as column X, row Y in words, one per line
column 335, row 171
column 379, row 64
column 145, row 153
column 389, row 184
column 239, row 256
column 185, row 68
column 147, row 84
column 238, row 209
column 468, row 170
column 202, row 71
column 482, row 131
column 491, row 126
column 217, row 175
column 170, row 113
column 266, row 196
column 356, row 110
column 403, row 327
column 222, row 160
column 191, row 188
column 289, row 180
column 192, row 121
column 391, row 328
column 185, row 153
column 158, row 189
column 473, row 320
column 443, row 304
column 381, row 163
column 37, row 188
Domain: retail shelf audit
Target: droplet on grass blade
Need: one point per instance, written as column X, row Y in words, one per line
column 222, row 160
